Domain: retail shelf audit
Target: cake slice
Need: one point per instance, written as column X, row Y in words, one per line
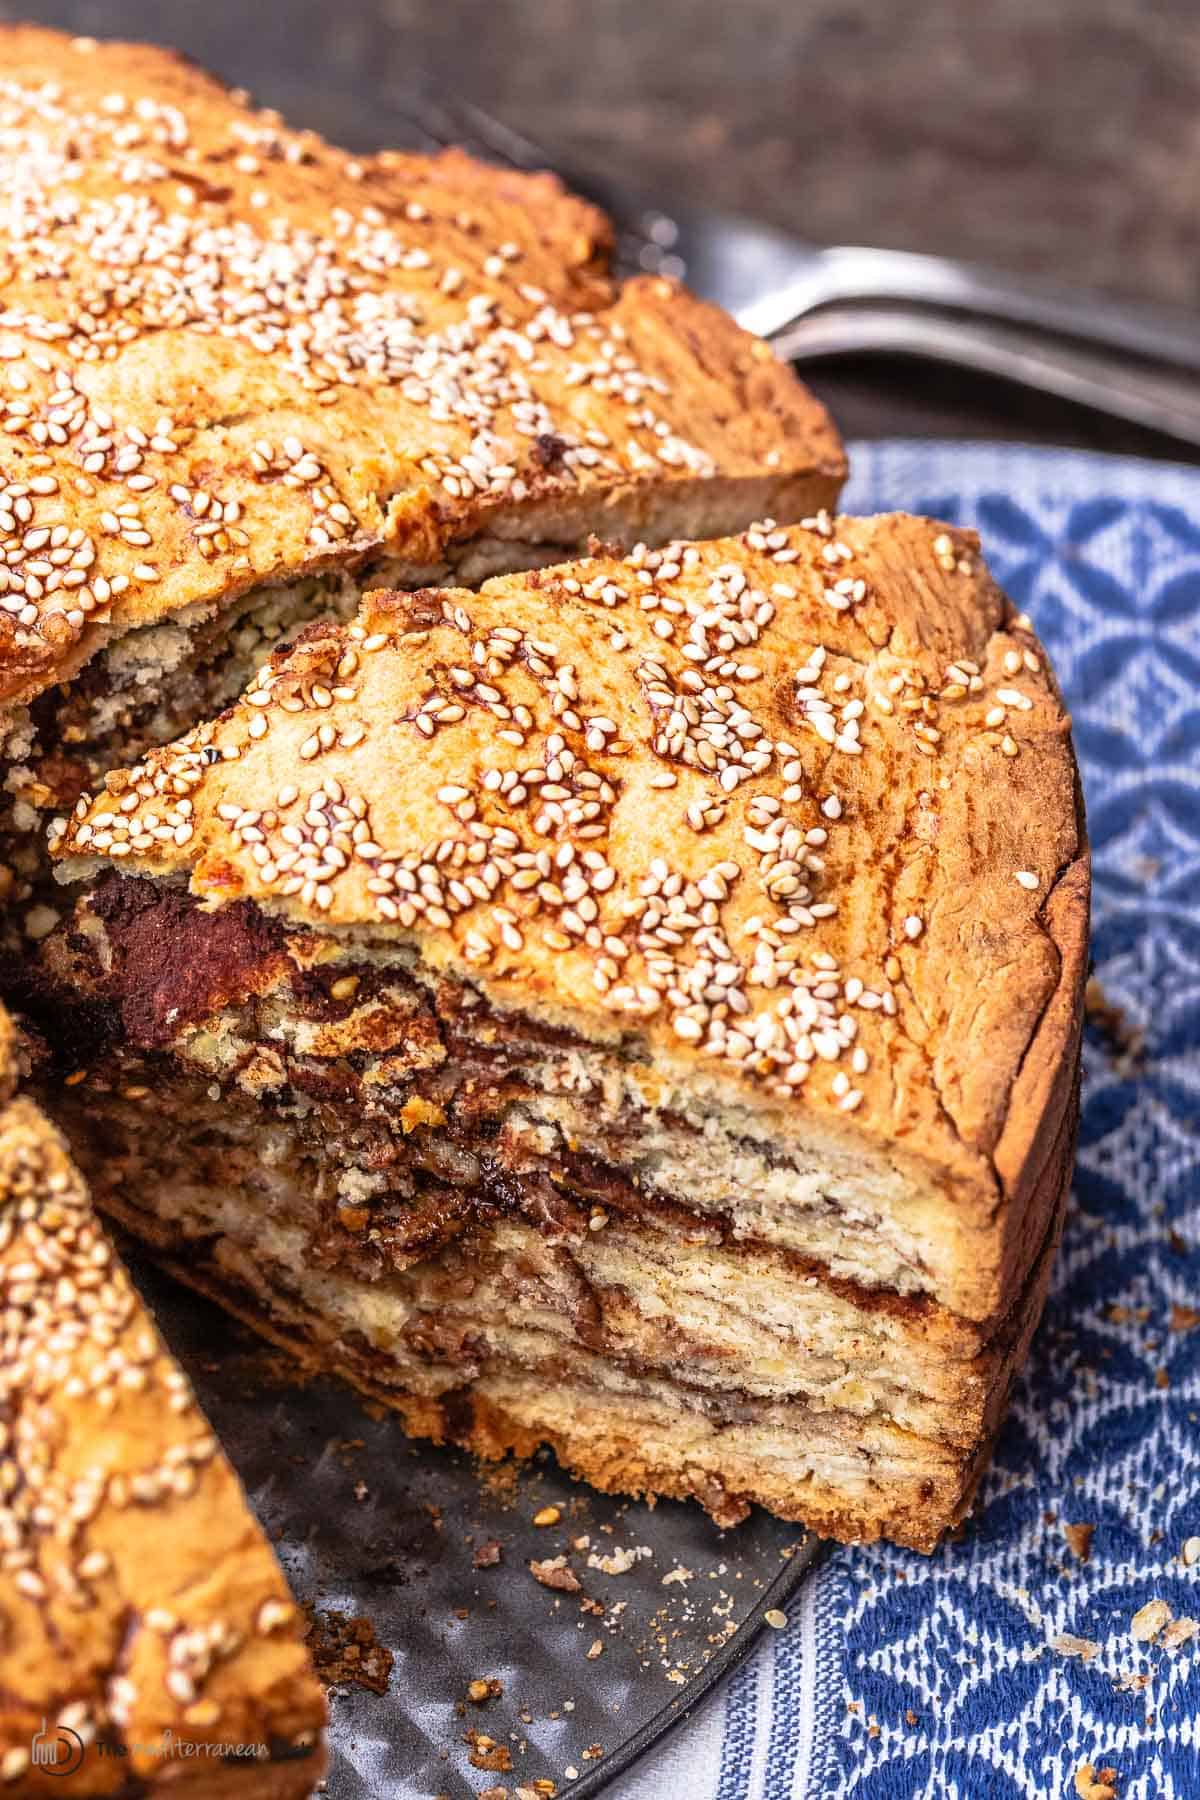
column 149, row 1641
column 633, row 1007
column 243, row 374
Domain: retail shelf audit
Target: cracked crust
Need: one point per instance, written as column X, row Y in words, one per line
column 790, row 822
column 139, row 1597
column 232, row 355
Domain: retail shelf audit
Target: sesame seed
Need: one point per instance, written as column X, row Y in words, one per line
column 734, row 939
column 75, row 1333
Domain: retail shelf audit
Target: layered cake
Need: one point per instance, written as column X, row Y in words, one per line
column 150, row 1644
column 242, row 374
column 632, row 1007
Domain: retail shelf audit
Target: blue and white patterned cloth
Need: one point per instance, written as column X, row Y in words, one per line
column 1105, row 555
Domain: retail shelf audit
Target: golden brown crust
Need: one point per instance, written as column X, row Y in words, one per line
column 230, row 353
column 793, row 815
column 1049, row 1069
column 140, row 1600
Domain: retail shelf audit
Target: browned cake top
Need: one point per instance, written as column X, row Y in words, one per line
column 789, row 811
column 227, row 351
column 139, row 1598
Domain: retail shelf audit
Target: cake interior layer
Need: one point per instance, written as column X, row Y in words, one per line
column 647, row 1362
column 359, row 1050
column 461, row 1209
column 528, row 1276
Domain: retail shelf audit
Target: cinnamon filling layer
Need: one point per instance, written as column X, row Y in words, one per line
column 383, row 1083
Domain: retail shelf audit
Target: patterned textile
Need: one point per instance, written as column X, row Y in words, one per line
column 902, row 1677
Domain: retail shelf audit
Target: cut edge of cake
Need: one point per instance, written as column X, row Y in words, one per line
column 144, row 1609
column 287, row 844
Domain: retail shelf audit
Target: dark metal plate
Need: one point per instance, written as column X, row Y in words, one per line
column 372, row 1526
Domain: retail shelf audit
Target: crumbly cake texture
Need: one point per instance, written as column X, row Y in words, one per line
column 649, row 1364
column 231, row 355
column 141, row 1603
column 634, row 1006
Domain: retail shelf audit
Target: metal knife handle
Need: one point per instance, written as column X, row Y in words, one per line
column 1162, row 333
column 1164, row 401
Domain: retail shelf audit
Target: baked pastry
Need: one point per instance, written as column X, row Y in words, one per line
column 633, row 1007
column 149, row 1642
column 243, row 373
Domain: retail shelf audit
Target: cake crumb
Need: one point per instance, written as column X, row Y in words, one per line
column 346, row 1649
column 1079, row 1540
column 1149, row 1621
column 1068, row 1645
column 487, row 1754
column 555, row 1572
column 1096, row 1784
column 621, row 1560
column 1179, row 1631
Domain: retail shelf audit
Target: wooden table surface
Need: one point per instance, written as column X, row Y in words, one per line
column 1057, row 136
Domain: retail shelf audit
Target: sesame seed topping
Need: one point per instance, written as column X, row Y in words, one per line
column 678, row 826
column 97, row 1420
column 513, row 364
